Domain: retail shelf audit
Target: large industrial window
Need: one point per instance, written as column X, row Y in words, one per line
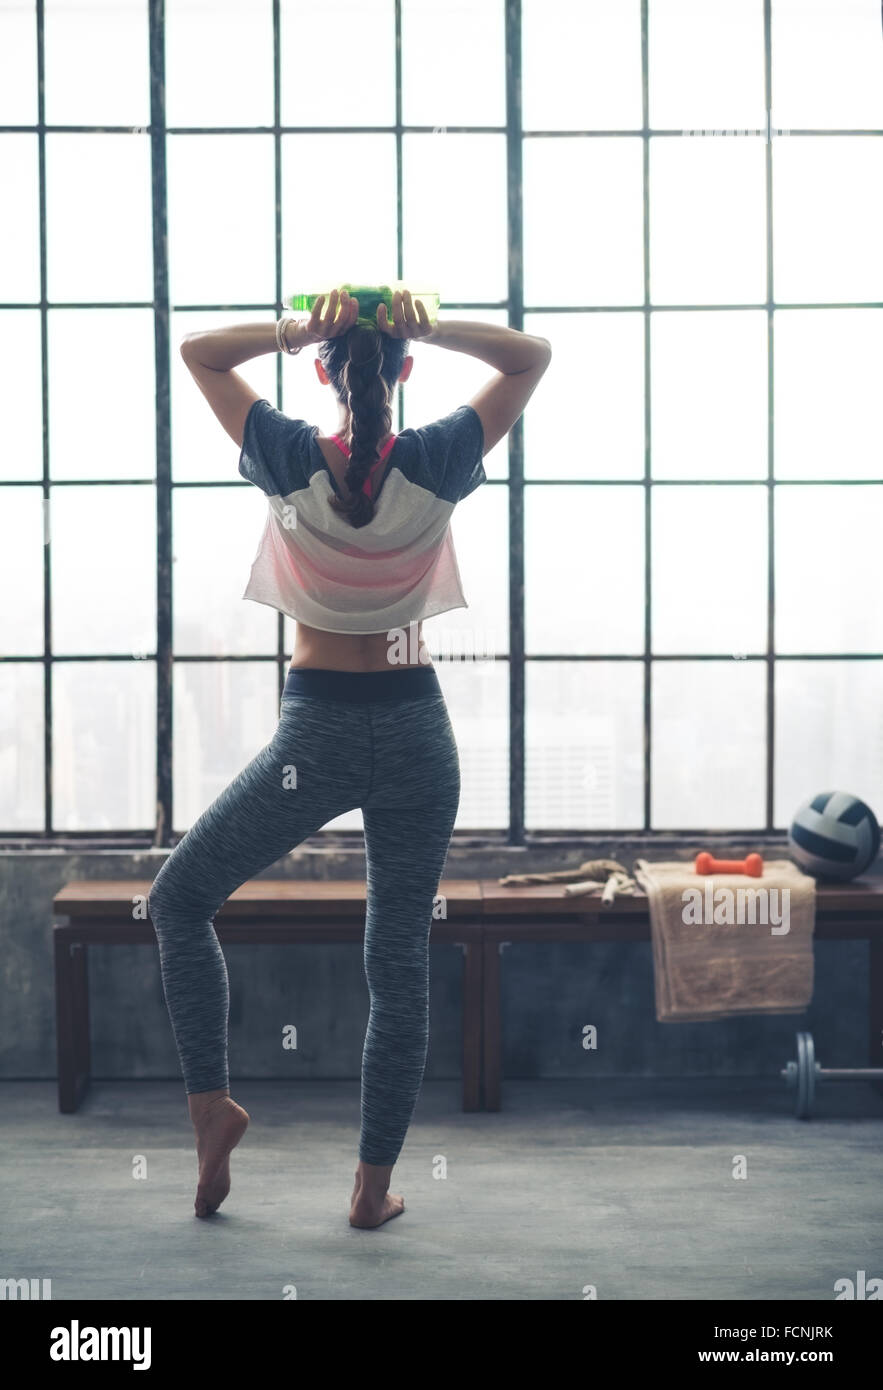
column 673, row 571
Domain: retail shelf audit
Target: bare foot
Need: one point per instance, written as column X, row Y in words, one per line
column 371, row 1204
column 219, row 1124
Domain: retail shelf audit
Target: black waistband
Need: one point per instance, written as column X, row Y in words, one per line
column 361, row 687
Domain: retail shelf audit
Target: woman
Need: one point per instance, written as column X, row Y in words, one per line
column 357, row 549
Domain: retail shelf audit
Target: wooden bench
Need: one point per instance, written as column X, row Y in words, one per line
column 483, row 917
column 261, row 912
column 541, row 912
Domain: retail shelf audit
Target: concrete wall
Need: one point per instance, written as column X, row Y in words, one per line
column 550, row 992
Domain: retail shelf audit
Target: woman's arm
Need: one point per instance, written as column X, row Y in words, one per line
column 520, row 359
column 504, row 348
column 221, row 349
column 230, row 346
column 211, row 356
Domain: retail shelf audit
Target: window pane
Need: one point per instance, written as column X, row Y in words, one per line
column 21, row 572
column 202, row 450
column 20, row 262
column 321, row 252
column 826, row 64
column 596, row 375
column 584, row 569
column 446, row 81
column 97, row 63
column 21, row 757
column 581, row 64
column 828, row 369
column 104, row 747
column 216, row 536
column 20, row 364
column 828, row 219
column 18, row 64
column 102, row 417
column 827, row 739
column 310, row 39
column 440, row 381
column 219, row 63
column 584, row 737
column 103, row 569
column 709, row 394
column 706, row 64
column 224, row 713
column 477, row 695
column 459, row 172
column 707, row 220
column 710, row 569
column 221, row 248
column 480, row 529
column 583, row 220
column 709, row 741
column 106, row 254
column 827, row 569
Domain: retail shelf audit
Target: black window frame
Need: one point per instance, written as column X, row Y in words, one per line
column 161, row 834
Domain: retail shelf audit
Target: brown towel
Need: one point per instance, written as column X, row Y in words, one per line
column 718, row 963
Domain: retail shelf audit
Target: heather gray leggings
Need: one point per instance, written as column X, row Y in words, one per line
column 381, row 741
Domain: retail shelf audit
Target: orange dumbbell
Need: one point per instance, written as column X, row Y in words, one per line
column 752, row 865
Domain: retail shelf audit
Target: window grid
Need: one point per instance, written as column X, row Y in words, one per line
column 516, row 482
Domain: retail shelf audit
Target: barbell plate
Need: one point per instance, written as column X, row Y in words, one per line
column 813, row 1072
column 806, row 1075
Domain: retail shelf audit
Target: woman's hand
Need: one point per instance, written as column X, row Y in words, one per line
column 325, row 323
column 409, row 318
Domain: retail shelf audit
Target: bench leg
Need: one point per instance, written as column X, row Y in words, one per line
column 71, row 1022
column 472, row 1025
column 875, row 1006
column 492, row 1041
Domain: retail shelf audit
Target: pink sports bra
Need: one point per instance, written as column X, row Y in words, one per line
column 366, row 486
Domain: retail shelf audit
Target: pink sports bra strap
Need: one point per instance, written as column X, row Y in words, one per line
column 366, row 486
column 383, row 452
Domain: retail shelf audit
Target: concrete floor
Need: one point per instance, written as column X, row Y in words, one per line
column 624, row 1185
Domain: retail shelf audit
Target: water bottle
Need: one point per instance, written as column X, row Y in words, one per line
column 369, row 297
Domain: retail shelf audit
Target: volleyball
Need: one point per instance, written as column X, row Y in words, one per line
column 834, row 835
